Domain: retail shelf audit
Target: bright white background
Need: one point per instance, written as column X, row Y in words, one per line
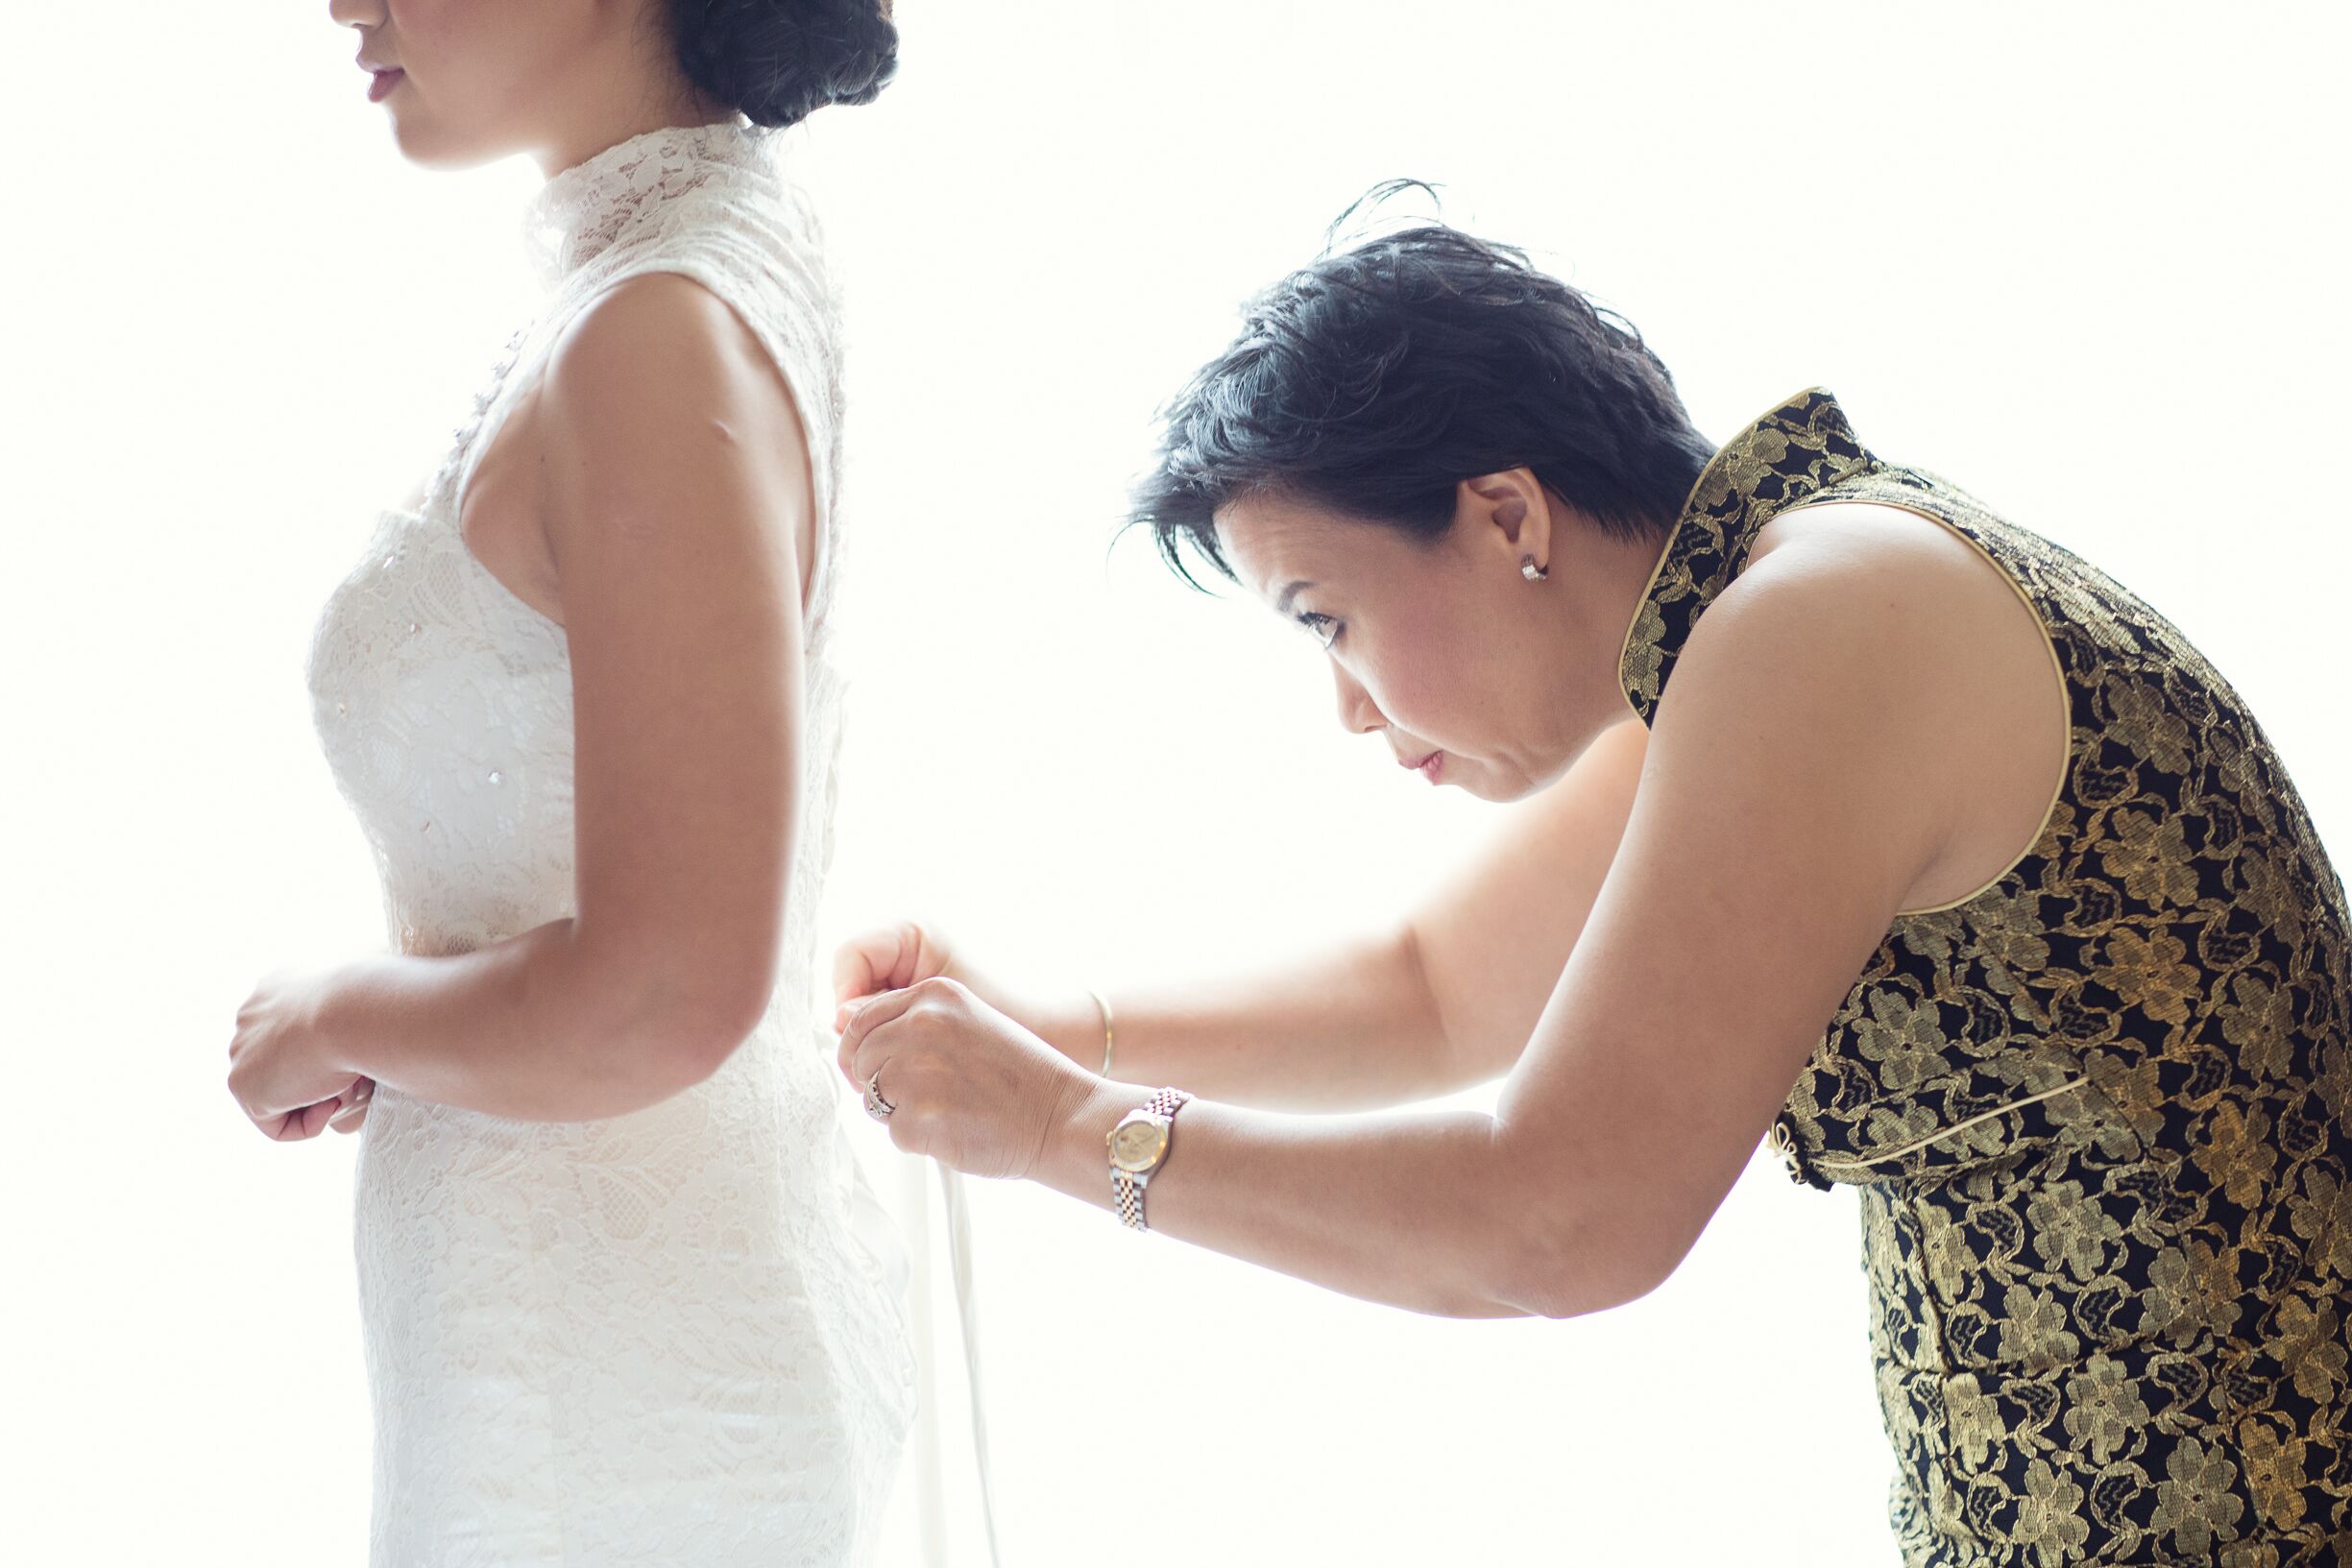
column 2087, row 261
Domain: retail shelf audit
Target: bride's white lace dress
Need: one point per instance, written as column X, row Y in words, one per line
column 673, row 1336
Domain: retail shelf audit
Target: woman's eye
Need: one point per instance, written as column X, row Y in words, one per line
column 1325, row 629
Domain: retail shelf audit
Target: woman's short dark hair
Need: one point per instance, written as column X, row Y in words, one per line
column 781, row 60
column 1375, row 379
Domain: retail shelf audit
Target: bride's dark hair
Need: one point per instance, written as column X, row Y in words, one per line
column 781, row 60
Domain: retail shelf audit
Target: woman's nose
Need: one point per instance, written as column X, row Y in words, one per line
column 1359, row 715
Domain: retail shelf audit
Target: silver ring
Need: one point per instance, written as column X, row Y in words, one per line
column 876, row 1107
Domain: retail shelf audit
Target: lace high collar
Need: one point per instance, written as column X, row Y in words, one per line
column 581, row 211
column 1790, row 453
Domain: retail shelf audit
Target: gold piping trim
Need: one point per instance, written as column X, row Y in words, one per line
column 1957, row 1126
column 2049, row 641
column 2066, row 701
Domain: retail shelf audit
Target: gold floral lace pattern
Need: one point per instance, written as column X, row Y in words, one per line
column 2096, row 1112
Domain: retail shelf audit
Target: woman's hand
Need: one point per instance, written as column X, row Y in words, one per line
column 893, row 958
column 890, row 958
column 968, row 1086
column 281, row 1067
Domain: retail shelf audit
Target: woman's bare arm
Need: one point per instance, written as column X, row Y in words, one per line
column 1445, row 1000
column 676, row 498
column 1794, row 797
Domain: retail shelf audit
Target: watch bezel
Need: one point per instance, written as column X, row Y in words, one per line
column 1160, row 1148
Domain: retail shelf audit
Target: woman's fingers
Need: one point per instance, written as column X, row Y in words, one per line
column 870, row 962
column 866, row 1017
column 352, row 1108
column 887, row 958
column 854, row 964
column 306, row 1122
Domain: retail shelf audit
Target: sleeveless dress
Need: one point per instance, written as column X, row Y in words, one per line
column 672, row 1336
column 2096, row 1113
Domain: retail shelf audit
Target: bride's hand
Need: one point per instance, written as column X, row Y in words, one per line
column 281, row 1065
column 967, row 1085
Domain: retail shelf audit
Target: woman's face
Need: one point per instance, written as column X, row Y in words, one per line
column 1466, row 671
column 476, row 79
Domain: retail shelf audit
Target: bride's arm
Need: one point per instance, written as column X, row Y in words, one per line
column 1445, row 999
column 677, row 504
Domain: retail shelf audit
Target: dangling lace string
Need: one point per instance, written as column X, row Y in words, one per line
column 967, row 1313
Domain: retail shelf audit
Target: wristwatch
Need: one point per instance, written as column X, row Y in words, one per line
column 1138, row 1149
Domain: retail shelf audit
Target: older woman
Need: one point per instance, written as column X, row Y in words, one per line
column 1870, row 823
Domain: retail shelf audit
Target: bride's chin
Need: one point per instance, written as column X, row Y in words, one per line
column 429, row 144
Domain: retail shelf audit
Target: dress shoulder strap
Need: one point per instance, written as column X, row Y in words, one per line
column 765, row 261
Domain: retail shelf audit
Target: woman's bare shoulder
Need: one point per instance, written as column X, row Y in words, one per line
column 1955, row 668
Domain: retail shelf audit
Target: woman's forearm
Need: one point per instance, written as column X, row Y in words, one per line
column 1428, row 1210
column 530, row 1027
column 1444, row 1000
column 1351, row 1028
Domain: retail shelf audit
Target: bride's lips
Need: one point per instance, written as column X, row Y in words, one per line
column 381, row 82
column 1428, row 767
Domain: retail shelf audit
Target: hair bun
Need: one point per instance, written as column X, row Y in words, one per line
column 781, row 60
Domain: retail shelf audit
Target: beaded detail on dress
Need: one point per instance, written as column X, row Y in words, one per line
column 655, row 1339
column 2096, row 1113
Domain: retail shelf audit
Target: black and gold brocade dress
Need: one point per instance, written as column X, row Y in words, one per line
column 2096, row 1112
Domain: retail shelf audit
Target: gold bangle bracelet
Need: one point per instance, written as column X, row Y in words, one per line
column 1106, row 1032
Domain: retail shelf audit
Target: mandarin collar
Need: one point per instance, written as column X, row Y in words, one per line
column 582, row 212
column 1795, row 449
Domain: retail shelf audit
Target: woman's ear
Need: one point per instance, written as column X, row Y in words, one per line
column 1511, row 511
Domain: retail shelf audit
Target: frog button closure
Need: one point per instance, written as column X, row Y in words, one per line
column 1782, row 1140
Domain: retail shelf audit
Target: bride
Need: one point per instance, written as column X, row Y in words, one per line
column 624, row 1297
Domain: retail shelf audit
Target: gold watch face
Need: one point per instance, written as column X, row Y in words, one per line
column 1136, row 1146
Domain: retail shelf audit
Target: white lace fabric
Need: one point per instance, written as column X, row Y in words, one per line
column 673, row 1336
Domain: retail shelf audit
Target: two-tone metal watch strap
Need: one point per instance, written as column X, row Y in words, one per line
column 1129, row 1191
column 1126, row 1189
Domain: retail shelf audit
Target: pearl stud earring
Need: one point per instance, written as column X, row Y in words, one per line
column 1530, row 570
